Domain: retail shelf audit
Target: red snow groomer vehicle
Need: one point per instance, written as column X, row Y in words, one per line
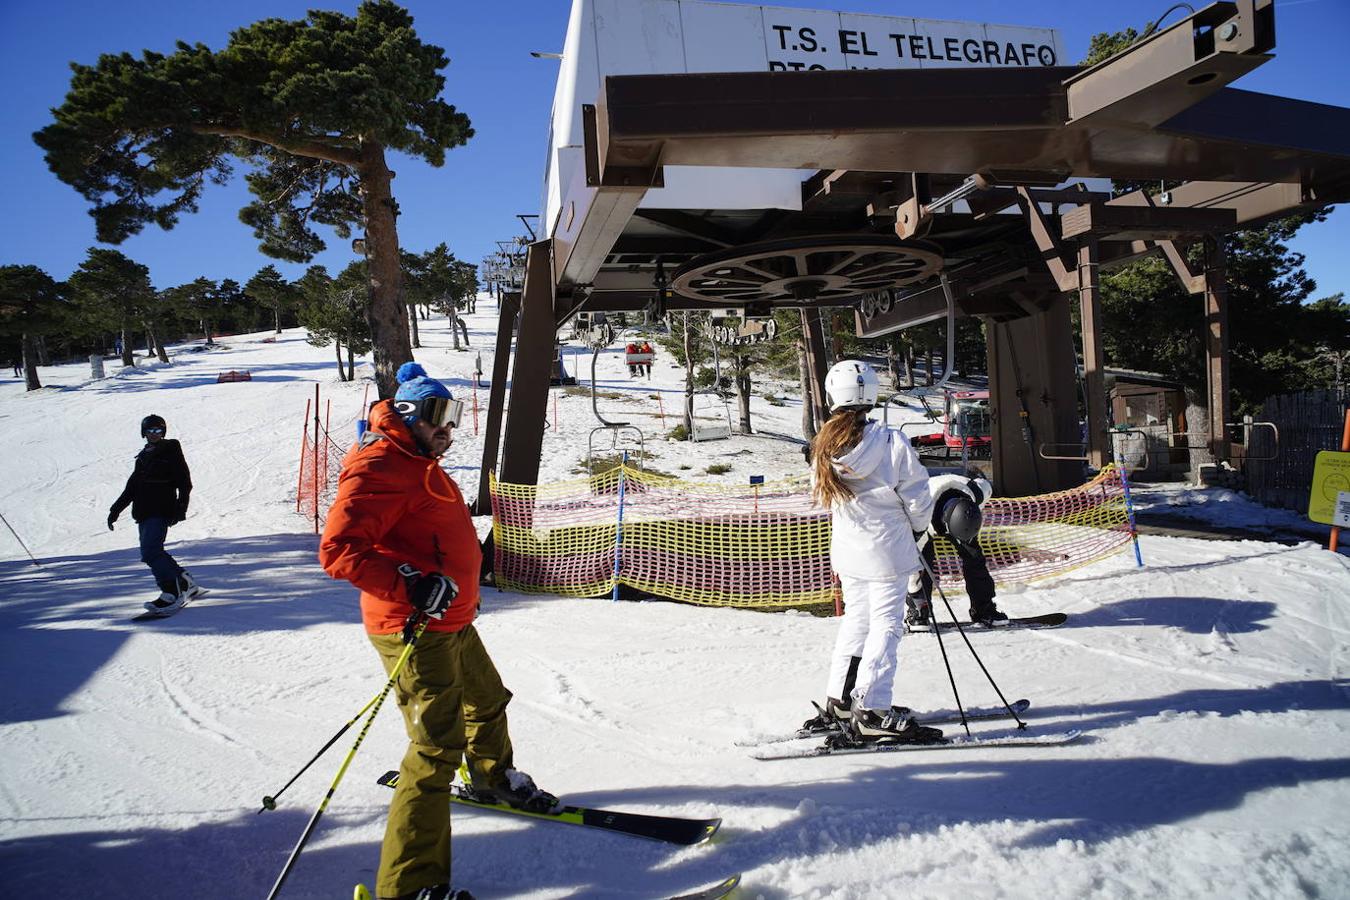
column 966, row 426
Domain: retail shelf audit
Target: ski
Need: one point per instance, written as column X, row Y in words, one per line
column 668, row 829
column 837, row 748
column 1049, row 620
column 149, row 616
column 936, row 717
column 717, row 891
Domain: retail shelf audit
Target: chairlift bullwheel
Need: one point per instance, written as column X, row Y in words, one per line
column 827, row 270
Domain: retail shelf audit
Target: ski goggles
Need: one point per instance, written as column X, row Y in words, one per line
column 438, row 412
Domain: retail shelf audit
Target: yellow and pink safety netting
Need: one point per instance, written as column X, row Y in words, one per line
column 765, row 545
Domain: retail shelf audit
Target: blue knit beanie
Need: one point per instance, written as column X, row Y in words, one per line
column 415, row 384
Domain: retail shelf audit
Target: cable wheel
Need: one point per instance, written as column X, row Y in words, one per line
column 828, row 270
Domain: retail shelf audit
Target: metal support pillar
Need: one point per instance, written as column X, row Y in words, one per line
column 1094, row 363
column 508, row 305
column 1216, row 346
column 525, row 419
column 814, row 336
column 1033, row 388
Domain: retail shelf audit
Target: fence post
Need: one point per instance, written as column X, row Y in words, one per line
column 1345, row 445
column 618, row 528
column 315, row 472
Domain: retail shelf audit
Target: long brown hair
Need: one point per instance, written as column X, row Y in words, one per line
column 836, row 437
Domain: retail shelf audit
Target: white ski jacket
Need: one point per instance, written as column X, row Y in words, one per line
column 872, row 535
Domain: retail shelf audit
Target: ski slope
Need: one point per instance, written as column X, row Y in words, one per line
column 1210, row 684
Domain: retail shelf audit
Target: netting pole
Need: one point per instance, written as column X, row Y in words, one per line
column 661, row 408
column 300, row 481
column 327, row 426
column 315, row 473
column 618, row 528
column 475, row 407
column 20, row 540
column 1129, row 503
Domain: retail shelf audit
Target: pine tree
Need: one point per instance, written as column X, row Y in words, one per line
column 310, row 105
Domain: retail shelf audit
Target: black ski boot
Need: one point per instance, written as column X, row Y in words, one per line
column 918, row 613
column 831, row 717
column 896, row 725
column 988, row 616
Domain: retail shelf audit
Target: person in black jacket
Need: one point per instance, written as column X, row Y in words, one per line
column 157, row 492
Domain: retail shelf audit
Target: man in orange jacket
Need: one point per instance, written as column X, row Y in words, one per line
column 400, row 531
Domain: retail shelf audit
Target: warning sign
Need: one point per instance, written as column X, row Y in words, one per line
column 1329, row 499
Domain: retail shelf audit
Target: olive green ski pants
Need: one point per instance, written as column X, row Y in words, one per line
column 453, row 702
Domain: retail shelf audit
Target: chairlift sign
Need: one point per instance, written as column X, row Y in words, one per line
column 735, row 37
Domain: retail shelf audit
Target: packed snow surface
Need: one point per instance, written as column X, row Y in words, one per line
column 1210, row 684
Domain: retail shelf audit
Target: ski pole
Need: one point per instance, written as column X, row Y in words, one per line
column 971, row 647
column 351, row 754
column 937, row 633
column 270, row 801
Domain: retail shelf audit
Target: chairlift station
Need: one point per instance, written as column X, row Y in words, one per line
column 714, row 155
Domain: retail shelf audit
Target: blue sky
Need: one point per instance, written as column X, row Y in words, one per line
column 472, row 200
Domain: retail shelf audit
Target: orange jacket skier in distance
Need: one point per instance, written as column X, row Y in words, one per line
column 407, row 510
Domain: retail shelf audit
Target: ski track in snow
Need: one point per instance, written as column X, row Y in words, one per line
column 1210, row 682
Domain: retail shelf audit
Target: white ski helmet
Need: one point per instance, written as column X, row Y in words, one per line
column 851, row 384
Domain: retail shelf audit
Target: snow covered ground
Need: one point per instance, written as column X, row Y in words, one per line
column 1210, row 683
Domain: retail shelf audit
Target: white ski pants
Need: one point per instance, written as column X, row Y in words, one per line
column 871, row 629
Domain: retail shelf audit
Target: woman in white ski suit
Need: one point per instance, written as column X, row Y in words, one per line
column 877, row 491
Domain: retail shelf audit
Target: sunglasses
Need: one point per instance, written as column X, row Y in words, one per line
column 438, row 412
column 154, row 431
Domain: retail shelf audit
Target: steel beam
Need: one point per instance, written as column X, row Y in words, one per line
column 508, row 306
column 1216, row 347
column 530, row 373
column 1094, row 361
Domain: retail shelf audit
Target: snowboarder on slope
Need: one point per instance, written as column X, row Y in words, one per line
column 157, row 493
column 400, row 531
column 957, row 501
column 877, row 491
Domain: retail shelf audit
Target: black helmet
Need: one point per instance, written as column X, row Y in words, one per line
column 152, row 421
column 958, row 517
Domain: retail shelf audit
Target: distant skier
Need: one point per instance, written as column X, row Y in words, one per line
column 157, row 492
column 400, row 531
column 957, row 501
column 877, row 491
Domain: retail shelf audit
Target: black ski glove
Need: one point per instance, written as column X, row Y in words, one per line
column 179, row 515
column 112, row 517
column 431, row 593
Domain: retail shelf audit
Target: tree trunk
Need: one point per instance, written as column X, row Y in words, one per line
column 454, row 332
column 909, row 367
column 206, row 332
column 156, row 345
column 928, row 367
column 128, row 357
column 385, row 312
column 464, row 330
column 276, row 317
column 337, row 348
column 742, row 369
column 412, row 323
column 808, row 407
column 43, row 357
column 351, row 364
column 1197, row 430
column 30, row 372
